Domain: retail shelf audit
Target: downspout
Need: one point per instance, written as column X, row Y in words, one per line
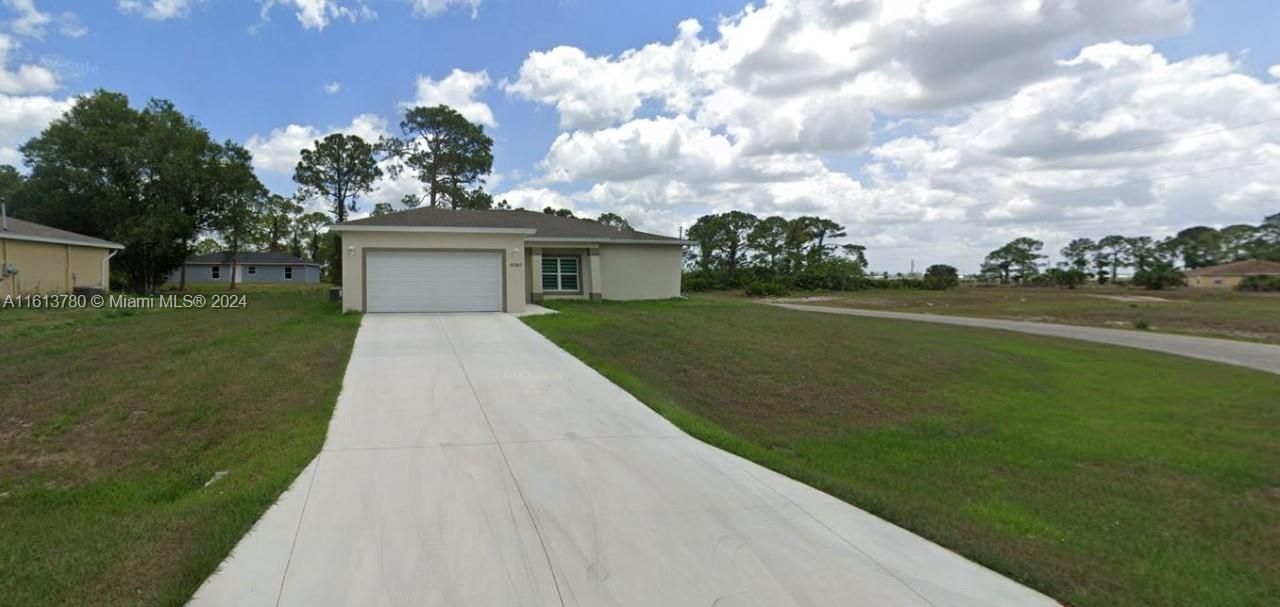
column 106, row 263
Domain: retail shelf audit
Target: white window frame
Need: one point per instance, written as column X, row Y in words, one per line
column 215, row 272
column 288, row 272
column 560, row 274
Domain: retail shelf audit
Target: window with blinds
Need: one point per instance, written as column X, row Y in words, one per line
column 560, row 274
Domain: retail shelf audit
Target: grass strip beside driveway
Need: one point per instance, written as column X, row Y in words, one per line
column 111, row 423
column 1097, row 474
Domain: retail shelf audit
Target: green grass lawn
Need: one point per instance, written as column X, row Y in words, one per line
column 1206, row 312
column 111, row 423
column 1099, row 475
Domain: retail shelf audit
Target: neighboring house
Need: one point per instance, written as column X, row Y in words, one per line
column 440, row 260
column 38, row 259
column 1228, row 275
column 250, row 267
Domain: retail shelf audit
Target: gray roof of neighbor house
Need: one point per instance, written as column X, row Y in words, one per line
column 544, row 225
column 265, row 258
column 1239, row 268
column 21, row 229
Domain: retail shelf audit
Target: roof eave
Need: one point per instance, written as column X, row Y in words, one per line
column 431, row 229
column 101, row 244
column 609, row 240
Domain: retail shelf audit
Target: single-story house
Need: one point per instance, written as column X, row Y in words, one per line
column 1228, row 275
column 37, row 259
column 270, row 267
column 441, row 260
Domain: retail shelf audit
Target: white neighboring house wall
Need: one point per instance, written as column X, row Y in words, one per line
column 640, row 271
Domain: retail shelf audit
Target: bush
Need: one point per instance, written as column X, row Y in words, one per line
column 767, row 289
column 1259, row 283
column 1142, row 324
column 1159, row 276
column 940, row 277
column 834, row 274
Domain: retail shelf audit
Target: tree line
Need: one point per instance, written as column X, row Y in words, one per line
column 1155, row 263
column 154, row 180
column 772, row 254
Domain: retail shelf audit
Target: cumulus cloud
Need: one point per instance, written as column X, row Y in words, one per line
column 27, row 78
column 332, row 88
column 280, row 150
column 457, row 90
column 23, row 117
column 157, row 10
column 431, row 8
column 933, row 129
column 318, row 14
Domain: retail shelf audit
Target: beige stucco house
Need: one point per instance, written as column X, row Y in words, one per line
column 37, row 259
column 440, row 260
column 1228, row 275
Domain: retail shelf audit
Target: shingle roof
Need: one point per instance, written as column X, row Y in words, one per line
column 21, row 229
column 1239, row 268
column 546, row 225
column 265, row 258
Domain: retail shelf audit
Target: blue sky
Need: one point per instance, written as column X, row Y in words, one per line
column 699, row 135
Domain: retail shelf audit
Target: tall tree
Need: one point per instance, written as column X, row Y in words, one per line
column 450, row 155
column 1019, row 259
column 558, row 212
column 1200, row 246
column 382, row 208
column 411, row 201
column 239, row 201
column 856, row 252
column 1078, row 252
column 737, row 227
column 709, row 232
column 141, row 178
column 613, row 220
column 1237, row 240
column 339, row 168
column 308, row 235
column 278, row 215
column 1113, row 252
column 769, row 240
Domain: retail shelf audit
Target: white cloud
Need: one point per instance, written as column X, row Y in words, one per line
column 31, row 21
column 157, row 10
column 457, row 90
column 27, row 78
column 280, row 150
column 1274, row 71
column 333, row 88
column 22, row 118
column 431, row 8
column 318, row 14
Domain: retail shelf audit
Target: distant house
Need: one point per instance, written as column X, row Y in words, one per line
column 1228, row 275
column 38, row 259
column 250, row 267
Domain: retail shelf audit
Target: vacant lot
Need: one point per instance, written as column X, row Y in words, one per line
column 1209, row 313
column 1099, row 475
column 112, row 422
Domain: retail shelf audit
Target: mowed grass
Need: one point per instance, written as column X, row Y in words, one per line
column 1099, row 475
column 1206, row 312
column 111, row 423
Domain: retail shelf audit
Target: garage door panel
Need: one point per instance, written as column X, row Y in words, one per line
column 433, row 281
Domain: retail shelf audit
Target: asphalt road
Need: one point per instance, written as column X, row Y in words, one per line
column 472, row 462
column 1263, row 357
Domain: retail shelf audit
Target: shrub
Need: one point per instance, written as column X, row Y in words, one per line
column 1159, row 276
column 833, row 274
column 1142, row 324
column 1259, row 283
column 940, row 277
column 766, row 289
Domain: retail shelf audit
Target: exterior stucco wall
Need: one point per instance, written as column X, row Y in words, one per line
column 1214, row 282
column 50, row 268
column 640, row 271
column 355, row 245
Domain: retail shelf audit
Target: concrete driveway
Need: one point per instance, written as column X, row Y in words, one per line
column 472, row 462
column 1263, row 357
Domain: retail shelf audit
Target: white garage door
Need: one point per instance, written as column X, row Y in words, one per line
column 433, row 281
